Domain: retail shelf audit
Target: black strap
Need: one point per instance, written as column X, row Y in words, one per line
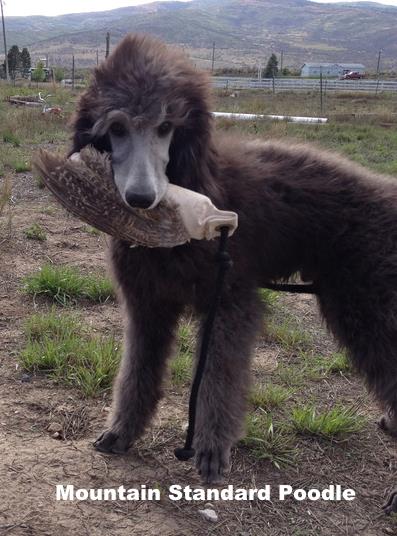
column 225, row 263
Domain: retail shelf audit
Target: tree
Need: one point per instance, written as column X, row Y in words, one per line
column 25, row 59
column 59, row 74
column 14, row 60
column 38, row 74
column 271, row 67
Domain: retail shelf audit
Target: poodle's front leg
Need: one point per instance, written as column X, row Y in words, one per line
column 137, row 389
column 222, row 395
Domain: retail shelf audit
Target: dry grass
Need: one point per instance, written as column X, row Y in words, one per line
column 5, row 216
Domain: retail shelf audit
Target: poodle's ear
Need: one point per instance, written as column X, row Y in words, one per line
column 82, row 127
column 191, row 152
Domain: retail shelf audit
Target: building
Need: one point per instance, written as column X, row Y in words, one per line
column 331, row 69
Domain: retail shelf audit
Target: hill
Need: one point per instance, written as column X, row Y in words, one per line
column 245, row 31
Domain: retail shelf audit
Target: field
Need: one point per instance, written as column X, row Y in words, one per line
column 310, row 423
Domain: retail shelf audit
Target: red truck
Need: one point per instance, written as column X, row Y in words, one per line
column 352, row 75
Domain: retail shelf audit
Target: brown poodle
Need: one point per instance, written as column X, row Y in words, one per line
column 300, row 210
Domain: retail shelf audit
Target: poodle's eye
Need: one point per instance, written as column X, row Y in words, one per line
column 165, row 128
column 118, row 129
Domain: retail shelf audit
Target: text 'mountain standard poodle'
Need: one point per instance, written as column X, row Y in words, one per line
column 300, row 210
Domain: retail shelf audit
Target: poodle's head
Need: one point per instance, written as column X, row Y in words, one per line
column 149, row 107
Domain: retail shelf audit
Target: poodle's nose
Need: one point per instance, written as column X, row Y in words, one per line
column 139, row 199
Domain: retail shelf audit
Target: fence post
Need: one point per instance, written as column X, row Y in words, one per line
column 321, row 90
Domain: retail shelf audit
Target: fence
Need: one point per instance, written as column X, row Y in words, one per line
column 297, row 84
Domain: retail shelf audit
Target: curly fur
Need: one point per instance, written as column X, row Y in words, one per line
column 300, row 210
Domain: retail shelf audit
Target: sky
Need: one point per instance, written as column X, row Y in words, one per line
column 50, row 7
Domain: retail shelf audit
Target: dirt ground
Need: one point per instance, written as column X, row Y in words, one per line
column 32, row 463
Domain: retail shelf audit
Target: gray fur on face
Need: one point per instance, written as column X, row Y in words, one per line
column 139, row 155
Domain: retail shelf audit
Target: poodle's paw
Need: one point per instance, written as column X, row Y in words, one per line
column 212, row 464
column 388, row 423
column 390, row 507
column 112, row 442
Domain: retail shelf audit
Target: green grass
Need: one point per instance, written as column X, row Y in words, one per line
column 66, row 285
column 92, row 230
column 338, row 363
column 35, row 232
column 306, row 103
column 293, row 376
column 181, row 364
column 291, row 338
column 265, row 442
column 49, row 211
column 269, row 297
column 336, row 423
column 64, row 348
column 10, row 137
column 317, row 366
column 369, row 138
column 40, row 182
column 371, row 145
column 22, row 129
column 268, row 397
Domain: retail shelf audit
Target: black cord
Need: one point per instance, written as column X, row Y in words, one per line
column 225, row 263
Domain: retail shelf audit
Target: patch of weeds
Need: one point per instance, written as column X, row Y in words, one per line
column 10, row 137
column 40, row 182
column 41, row 326
column 35, row 232
column 266, row 442
column 21, row 167
column 66, row 285
column 338, row 362
column 92, row 230
column 97, row 288
column 312, row 365
column 181, row 365
column 289, row 337
column 64, row 348
column 316, row 367
column 292, row 376
column 268, row 397
column 268, row 296
column 336, row 423
column 49, row 211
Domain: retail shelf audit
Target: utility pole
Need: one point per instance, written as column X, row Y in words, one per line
column 73, row 72
column 378, row 66
column 5, row 42
column 281, row 62
column 97, row 57
column 107, row 44
column 213, row 57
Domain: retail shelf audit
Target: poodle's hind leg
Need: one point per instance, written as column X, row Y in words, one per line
column 221, row 401
column 137, row 389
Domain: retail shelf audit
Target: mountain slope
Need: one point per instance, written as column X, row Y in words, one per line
column 245, row 31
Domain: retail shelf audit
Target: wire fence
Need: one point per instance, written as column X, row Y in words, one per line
column 297, row 84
